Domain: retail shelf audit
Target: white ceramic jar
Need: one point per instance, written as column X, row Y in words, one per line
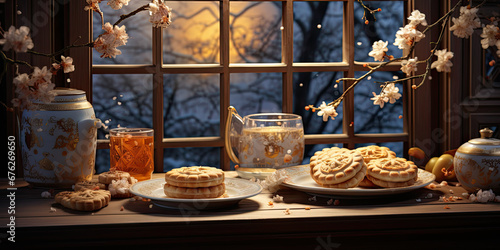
column 477, row 163
column 59, row 140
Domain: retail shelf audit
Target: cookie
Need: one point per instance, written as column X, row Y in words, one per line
column 194, row 193
column 325, row 154
column 337, row 168
column 353, row 182
column 390, row 184
column 93, row 185
column 392, row 170
column 108, row 177
column 366, row 183
column 120, row 188
column 85, row 200
column 373, row 152
column 194, row 177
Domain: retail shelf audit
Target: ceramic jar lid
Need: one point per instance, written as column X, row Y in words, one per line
column 485, row 145
column 66, row 99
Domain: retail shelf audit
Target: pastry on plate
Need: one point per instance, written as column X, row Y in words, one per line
column 196, row 182
column 374, row 152
column 392, row 172
column 338, row 168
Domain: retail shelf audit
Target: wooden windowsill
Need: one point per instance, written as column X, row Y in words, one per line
column 391, row 221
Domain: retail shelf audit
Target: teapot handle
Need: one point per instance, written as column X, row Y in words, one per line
column 227, row 138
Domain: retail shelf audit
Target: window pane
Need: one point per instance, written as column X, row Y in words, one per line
column 193, row 36
column 397, row 147
column 312, row 88
column 370, row 118
column 388, row 22
column 256, row 92
column 186, row 157
column 123, row 100
column 102, row 161
column 192, row 105
column 138, row 49
column 317, row 31
column 255, row 32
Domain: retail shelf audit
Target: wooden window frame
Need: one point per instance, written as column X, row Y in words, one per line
column 287, row 67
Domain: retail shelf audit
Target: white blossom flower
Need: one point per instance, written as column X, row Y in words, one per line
column 93, row 5
column 273, row 181
column 489, row 36
column 443, row 64
column 391, row 92
column 378, row 50
column 17, row 39
column 464, row 25
column 407, row 36
column 160, row 15
column 117, row 4
column 409, row 66
column 417, row 18
column 379, row 99
column 67, row 64
column 107, row 43
column 40, row 76
column 327, row 111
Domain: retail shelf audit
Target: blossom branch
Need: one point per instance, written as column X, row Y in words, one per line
column 367, row 9
column 125, row 16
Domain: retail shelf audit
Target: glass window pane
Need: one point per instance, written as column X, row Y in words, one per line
column 256, row 92
column 193, row 35
column 370, row 118
column 388, row 22
column 138, row 49
column 123, row 100
column 255, row 32
column 312, row 88
column 186, row 157
column 317, row 31
column 102, row 161
column 191, row 105
column 397, row 147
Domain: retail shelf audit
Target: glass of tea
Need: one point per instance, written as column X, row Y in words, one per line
column 131, row 150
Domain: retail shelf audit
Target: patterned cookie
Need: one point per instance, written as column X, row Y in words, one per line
column 194, row 177
column 194, row 193
column 326, row 153
column 370, row 153
column 93, row 185
column 392, row 170
column 108, row 177
column 86, row 200
column 353, row 182
column 390, row 184
column 367, row 183
column 336, row 168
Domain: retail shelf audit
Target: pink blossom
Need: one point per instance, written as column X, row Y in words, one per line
column 408, row 36
column 107, row 43
column 160, row 14
column 489, row 36
column 464, row 25
column 67, row 64
column 117, row 4
column 17, row 39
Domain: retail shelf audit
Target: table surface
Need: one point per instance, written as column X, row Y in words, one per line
column 411, row 219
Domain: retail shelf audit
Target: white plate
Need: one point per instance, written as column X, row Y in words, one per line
column 249, row 173
column 300, row 179
column 236, row 189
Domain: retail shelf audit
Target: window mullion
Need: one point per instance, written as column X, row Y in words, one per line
column 158, row 124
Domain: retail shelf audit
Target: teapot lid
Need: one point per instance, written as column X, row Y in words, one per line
column 485, row 139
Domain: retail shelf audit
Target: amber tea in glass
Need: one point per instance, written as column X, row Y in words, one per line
column 131, row 150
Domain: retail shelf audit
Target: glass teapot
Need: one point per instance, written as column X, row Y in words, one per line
column 266, row 140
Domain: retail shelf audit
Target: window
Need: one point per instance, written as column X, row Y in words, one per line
column 259, row 56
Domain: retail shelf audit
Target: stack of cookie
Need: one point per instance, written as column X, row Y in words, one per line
column 370, row 153
column 197, row 182
column 337, row 168
column 392, row 172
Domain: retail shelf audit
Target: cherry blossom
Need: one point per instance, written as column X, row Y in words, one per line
column 327, row 111
column 489, row 36
column 93, row 5
column 409, row 66
column 378, row 50
column 417, row 18
column 443, row 64
column 17, row 39
column 67, row 64
column 379, row 99
column 117, row 4
column 391, row 92
column 107, row 43
column 407, row 36
column 160, row 14
column 464, row 25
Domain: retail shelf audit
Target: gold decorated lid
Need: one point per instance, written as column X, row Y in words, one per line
column 66, row 99
column 485, row 145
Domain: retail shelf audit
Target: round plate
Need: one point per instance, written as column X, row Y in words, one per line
column 258, row 173
column 236, row 189
column 300, row 179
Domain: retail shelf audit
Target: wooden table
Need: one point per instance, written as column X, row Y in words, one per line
column 405, row 221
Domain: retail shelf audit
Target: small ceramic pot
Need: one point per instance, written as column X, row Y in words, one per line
column 477, row 163
column 59, row 140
